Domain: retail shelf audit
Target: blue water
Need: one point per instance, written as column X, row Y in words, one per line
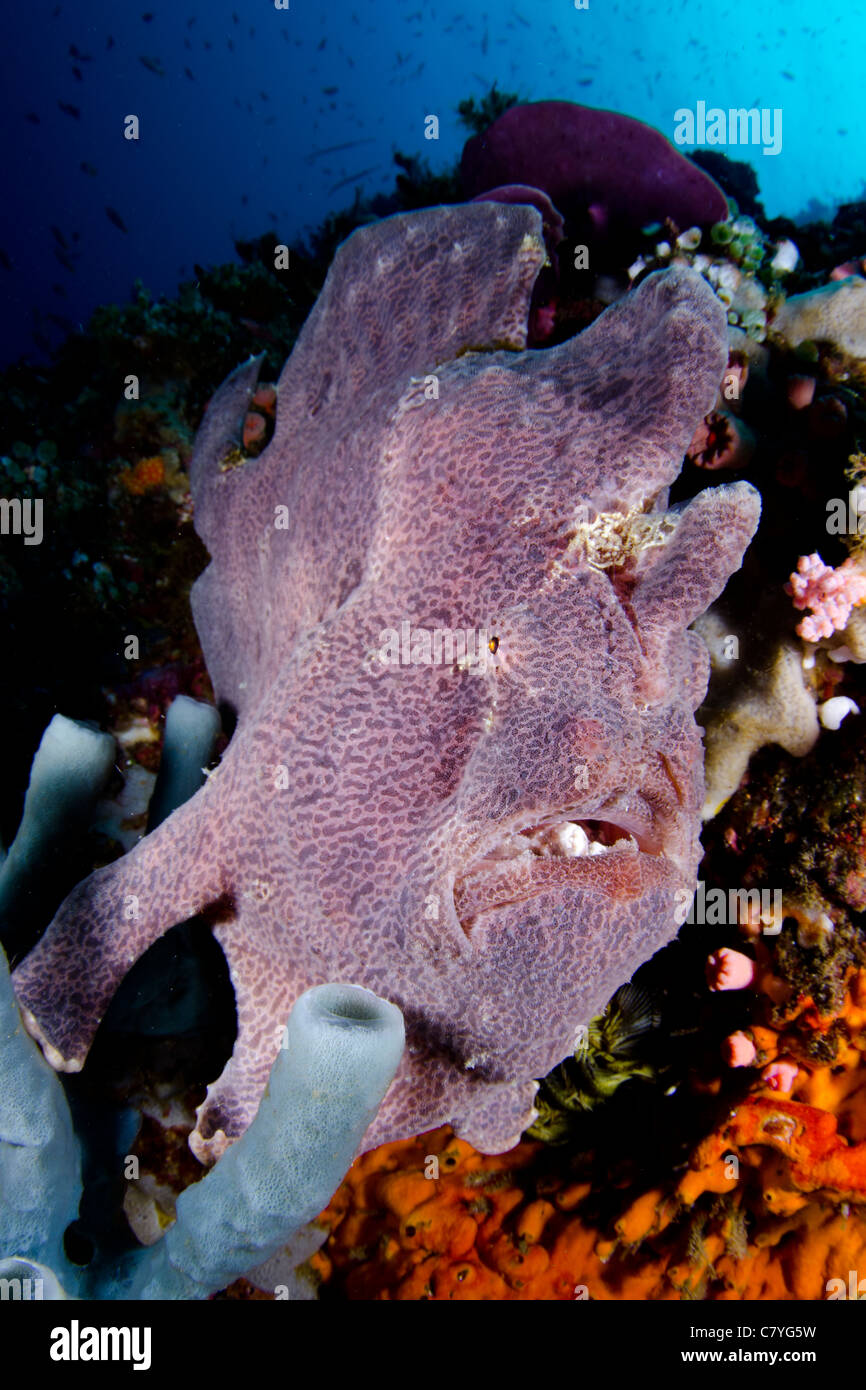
column 239, row 143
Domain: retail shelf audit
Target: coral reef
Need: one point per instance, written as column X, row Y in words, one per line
column 763, row 1206
column 704, row 1135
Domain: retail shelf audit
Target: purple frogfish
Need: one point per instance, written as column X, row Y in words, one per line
column 449, row 605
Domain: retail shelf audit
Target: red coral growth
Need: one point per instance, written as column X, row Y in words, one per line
column 265, row 400
column 761, row 1211
column 145, row 476
column 255, row 429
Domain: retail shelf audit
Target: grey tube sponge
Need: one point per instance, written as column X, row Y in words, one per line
column 191, row 730
column 69, row 773
column 342, row 1048
column 40, row 1165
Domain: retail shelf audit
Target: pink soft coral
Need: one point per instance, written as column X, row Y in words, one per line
column 738, row 1050
column 727, row 969
column 831, row 594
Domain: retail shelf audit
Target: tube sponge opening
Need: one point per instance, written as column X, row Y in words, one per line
column 345, row 1006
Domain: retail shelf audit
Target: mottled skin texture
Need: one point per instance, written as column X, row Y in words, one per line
column 457, row 511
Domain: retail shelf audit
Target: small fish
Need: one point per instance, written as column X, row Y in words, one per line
column 361, row 174
column 245, row 198
column 521, row 19
column 152, row 65
column 4, row 260
column 77, row 73
column 230, row 44
column 484, row 42
column 69, row 110
column 60, row 291
column 115, row 217
column 330, row 91
column 58, row 236
column 32, row 118
column 235, row 19
column 790, row 76
column 56, row 11
column 207, row 44
column 187, row 45
column 189, row 74
column 81, row 57
column 320, row 46
column 109, row 42
column 264, row 96
column 146, row 18
column 63, row 259
column 252, row 31
column 335, row 149
column 90, row 169
column 585, row 81
column 191, row 21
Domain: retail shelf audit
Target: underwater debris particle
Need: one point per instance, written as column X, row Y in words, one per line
column 234, row 458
